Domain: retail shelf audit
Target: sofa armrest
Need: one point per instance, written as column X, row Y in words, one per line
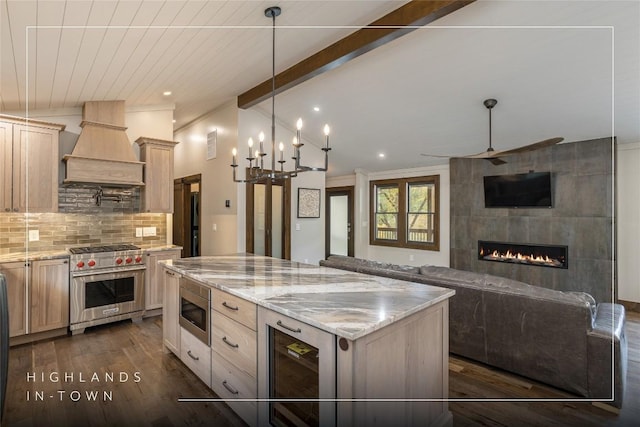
column 607, row 353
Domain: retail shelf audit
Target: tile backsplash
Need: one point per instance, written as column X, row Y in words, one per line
column 59, row 231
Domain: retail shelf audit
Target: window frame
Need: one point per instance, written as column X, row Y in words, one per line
column 403, row 191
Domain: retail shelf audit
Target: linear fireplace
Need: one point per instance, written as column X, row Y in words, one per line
column 553, row 256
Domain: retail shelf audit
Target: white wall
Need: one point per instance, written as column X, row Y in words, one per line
column 191, row 159
column 388, row 254
column 307, row 234
column 152, row 121
column 628, row 221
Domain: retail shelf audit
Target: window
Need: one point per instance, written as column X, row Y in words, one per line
column 404, row 213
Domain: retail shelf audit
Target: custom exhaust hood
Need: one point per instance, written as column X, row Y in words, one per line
column 103, row 154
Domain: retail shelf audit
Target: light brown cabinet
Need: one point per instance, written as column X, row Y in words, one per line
column 49, row 295
column 157, row 193
column 171, row 312
column 234, row 353
column 154, row 280
column 16, row 275
column 29, row 160
column 38, row 295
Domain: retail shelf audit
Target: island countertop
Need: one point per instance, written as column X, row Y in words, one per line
column 347, row 304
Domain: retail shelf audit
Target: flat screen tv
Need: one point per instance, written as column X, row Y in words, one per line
column 523, row 190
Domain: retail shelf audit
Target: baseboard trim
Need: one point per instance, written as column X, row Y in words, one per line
column 28, row 338
column 630, row 305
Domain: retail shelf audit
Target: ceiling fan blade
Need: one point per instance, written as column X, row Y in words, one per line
column 440, row 156
column 531, row 147
column 496, row 161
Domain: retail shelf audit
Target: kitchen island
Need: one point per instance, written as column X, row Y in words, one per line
column 360, row 349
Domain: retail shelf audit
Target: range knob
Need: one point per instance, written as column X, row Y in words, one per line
column 119, row 261
column 138, row 258
column 91, row 263
column 80, row 264
column 128, row 260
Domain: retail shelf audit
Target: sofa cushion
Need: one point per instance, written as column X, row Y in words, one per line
column 538, row 338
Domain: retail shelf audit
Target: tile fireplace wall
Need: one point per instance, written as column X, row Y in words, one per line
column 581, row 218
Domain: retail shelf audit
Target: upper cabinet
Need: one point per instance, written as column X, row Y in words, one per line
column 29, row 160
column 157, row 193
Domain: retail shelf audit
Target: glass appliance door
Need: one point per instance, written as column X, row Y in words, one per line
column 294, row 371
column 110, row 291
column 195, row 314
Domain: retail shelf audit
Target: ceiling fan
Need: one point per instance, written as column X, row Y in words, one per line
column 495, row 156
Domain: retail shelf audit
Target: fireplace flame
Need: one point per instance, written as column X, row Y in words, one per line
column 521, row 258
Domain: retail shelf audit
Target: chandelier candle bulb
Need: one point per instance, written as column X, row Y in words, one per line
column 281, row 147
column 261, row 139
column 234, row 152
column 250, row 142
column 298, row 130
column 326, row 135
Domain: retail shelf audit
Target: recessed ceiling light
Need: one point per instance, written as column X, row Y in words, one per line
column 381, row 155
column 166, row 93
column 174, row 120
column 316, row 109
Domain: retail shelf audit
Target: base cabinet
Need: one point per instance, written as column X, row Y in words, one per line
column 171, row 312
column 258, row 353
column 234, row 353
column 38, row 293
column 196, row 355
column 231, row 384
column 153, row 278
column 49, row 291
column 17, row 289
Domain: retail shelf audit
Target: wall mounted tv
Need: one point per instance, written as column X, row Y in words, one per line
column 523, row 190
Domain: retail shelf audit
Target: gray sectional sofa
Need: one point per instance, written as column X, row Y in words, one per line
column 564, row 339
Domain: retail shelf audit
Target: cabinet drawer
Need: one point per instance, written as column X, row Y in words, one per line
column 230, row 383
column 236, row 308
column 196, row 355
column 234, row 341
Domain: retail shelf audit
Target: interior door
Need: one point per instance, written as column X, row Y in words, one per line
column 186, row 214
column 268, row 218
column 339, row 228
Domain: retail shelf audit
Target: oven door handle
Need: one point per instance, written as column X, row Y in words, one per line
column 107, row 271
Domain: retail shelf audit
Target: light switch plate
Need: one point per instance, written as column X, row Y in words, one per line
column 138, row 231
column 297, row 227
column 34, row 235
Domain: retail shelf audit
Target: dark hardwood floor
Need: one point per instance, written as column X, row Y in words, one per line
column 124, row 348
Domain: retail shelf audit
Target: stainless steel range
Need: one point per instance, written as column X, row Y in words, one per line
column 107, row 284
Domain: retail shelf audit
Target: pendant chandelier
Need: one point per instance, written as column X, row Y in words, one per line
column 256, row 171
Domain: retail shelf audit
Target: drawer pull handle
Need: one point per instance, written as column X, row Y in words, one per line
column 289, row 328
column 230, row 344
column 192, row 356
column 228, row 387
column 224, row 303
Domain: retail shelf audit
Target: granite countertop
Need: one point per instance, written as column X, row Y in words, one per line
column 63, row 253
column 350, row 305
column 161, row 248
column 33, row 255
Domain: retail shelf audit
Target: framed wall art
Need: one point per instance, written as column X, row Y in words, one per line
column 308, row 203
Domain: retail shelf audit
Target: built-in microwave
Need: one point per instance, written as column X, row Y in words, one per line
column 195, row 301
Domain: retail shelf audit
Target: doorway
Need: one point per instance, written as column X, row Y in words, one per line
column 339, row 228
column 186, row 215
column 268, row 218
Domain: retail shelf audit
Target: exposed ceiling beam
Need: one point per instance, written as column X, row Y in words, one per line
column 402, row 21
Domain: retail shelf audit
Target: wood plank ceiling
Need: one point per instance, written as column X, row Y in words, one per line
column 58, row 54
